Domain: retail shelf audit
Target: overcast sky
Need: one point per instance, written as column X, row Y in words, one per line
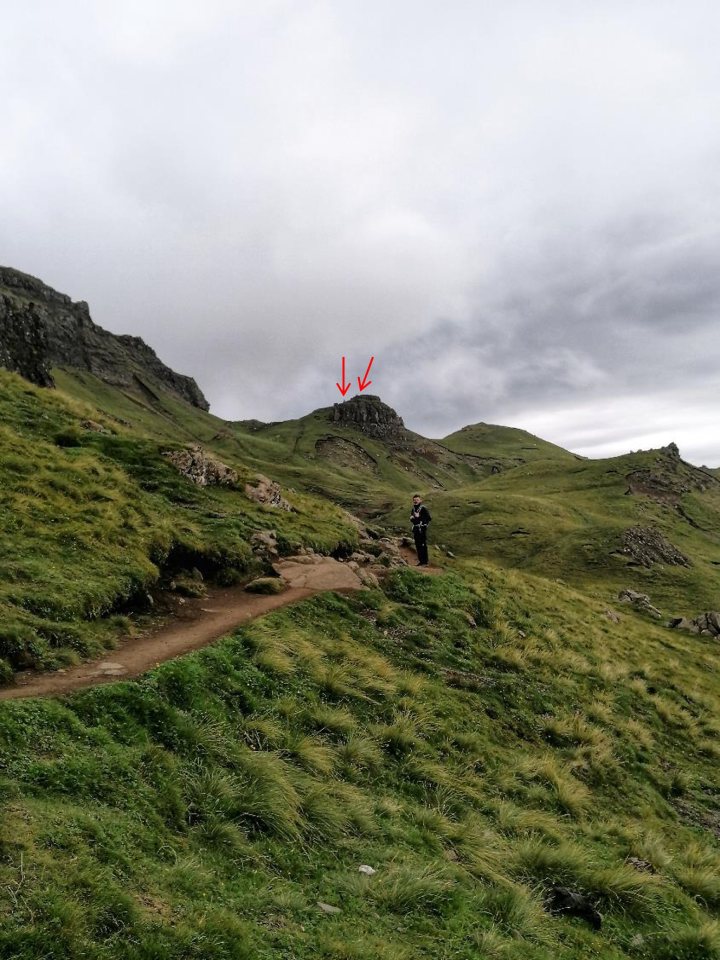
column 513, row 206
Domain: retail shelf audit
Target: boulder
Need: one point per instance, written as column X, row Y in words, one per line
column 707, row 624
column 267, row 492
column 640, row 601
column 562, row 901
column 264, row 544
column 194, row 464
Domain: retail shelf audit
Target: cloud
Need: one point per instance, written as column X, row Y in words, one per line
column 514, row 209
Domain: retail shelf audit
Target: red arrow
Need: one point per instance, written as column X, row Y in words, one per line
column 345, row 386
column 365, row 382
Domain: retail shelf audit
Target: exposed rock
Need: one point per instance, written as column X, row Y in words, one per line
column 644, row 866
column 371, row 416
column 646, row 545
column 564, row 902
column 367, row 577
column 612, row 616
column 328, row 907
column 640, row 601
column 95, row 427
column 367, row 870
column 264, row 544
column 41, row 328
column 669, row 478
column 200, row 469
column 707, row 624
column 268, row 492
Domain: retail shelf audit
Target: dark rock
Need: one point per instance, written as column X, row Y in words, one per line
column 371, row 416
column 646, row 545
column 561, row 901
column 41, row 328
column 707, row 624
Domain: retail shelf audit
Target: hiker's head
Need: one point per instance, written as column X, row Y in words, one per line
column 417, row 499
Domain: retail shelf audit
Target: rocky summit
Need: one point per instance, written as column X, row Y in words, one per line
column 41, row 329
column 370, row 415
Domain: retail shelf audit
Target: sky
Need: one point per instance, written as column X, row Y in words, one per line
column 514, row 208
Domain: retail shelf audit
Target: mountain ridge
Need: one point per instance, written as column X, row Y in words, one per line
column 41, row 328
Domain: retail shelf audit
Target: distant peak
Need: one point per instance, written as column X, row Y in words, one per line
column 370, row 415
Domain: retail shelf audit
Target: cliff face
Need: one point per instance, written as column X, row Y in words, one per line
column 41, row 328
column 370, row 415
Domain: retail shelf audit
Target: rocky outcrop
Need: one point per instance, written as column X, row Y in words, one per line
column 41, row 329
column 646, row 546
column 371, row 416
column 267, row 492
column 640, row 601
column 669, row 478
column 706, row 624
column 200, row 469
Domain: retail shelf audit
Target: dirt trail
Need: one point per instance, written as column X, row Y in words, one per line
column 197, row 624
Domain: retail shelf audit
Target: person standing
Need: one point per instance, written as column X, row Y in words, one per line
column 420, row 518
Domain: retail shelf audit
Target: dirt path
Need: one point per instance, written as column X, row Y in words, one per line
column 198, row 623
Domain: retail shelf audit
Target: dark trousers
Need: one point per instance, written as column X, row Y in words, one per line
column 420, row 534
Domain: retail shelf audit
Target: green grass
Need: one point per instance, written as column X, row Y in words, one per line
column 205, row 809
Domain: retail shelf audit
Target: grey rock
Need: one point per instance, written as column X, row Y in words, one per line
column 266, row 491
column 706, row 624
column 646, row 546
column 328, row 907
column 41, row 328
column 640, row 601
column 201, row 469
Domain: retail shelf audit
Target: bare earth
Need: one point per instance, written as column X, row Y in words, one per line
column 198, row 623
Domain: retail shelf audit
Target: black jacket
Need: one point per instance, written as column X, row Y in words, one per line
column 420, row 517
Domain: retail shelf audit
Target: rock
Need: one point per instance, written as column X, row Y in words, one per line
column 471, row 621
column 640, row 601
column 264, row 544
column 267, row 492
column 328, row 907
column 371, row 416
column 194, row 464
column 354, row 565
column 644, row 866
column 564, row 902
column 449, row 553
column 368, row 577
column 682, row 623
column 267, row 585
column 646, row 545
column 707, row 624
column 360, row 556
column 367, row 870
column 612, row 616
column 41, row 328
column 95, row 427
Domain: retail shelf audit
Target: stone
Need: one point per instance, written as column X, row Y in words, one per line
column 367, row 870
column 328, row 907
column 264, row 544
column 371, row 416
column 267, row 492
column 706, row 624
column 562, row 901
column 95, row 427
column 200, row 469
column 612, row 616
column 646, row 546
column 640, row 601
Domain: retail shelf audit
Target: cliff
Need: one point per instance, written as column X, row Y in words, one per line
column 41, row 329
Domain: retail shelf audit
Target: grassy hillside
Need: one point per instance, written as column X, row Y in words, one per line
column 507, row 445
column 207, row 809
column 90, row 520
column 477, row 738
column 568, row 520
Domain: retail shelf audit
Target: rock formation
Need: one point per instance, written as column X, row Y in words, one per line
column 200, row 469
column 41, row 328
column 646, row 545
column 371, row 416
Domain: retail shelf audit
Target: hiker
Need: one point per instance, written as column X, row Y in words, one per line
column 420, row 518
